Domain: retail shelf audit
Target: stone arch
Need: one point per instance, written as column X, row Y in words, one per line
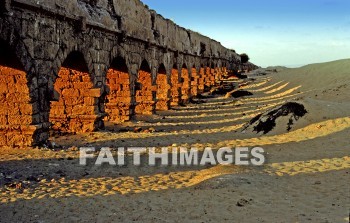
column 11, row 38
column 163, row 88
column 64, row 55
column 175, row 86
column 19, row 113
column 120, row 52
column 145, row 61
column 145, row 93
column 118, row 99
column 78, row 107
column 185, row 84
column 75, row 60
column 8, row 57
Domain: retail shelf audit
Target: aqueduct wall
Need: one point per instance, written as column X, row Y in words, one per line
column 68, row 65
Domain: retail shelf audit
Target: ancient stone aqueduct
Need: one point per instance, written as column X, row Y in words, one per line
column 68, row 65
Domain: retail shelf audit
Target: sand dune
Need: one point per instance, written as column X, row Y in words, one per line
column 305, row 178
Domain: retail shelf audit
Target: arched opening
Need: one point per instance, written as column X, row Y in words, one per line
column 162, row 89
column 201, row 82
column 194, row 81
column 185, row 84
column 144, row 91
column 175, row 86
column 118, row 100
column 77, row 109
column 19, row 112
column 8, row 58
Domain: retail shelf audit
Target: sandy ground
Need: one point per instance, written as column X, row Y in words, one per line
column 306, row 177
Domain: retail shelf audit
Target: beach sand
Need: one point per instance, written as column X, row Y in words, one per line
column 305, row 179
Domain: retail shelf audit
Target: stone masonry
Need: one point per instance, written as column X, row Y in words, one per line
column 185, row 85
column 194, row 82
column 175, row 87
column 16, row 111
column 69, row 65
column 201, row 81
column 163, row 90
column 77, row 109
column 145, row 92
column 118, row 103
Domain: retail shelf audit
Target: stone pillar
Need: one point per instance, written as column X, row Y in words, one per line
column 144, row 94
column 216, row 74
column 224, row 72
column 207, row 77
column 175, row 89
column 118, row 101
column 77, row 109
column 194, row 82
column 201, row 81
column 220, row 74
column 162, row 92
column 185, row 86
column 212, row 76
column 133, row 82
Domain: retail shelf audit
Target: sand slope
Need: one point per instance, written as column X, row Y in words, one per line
column 305, row 178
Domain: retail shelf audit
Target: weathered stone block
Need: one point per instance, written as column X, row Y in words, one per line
column 83, row 110
column 3, row 87
column 90, row 101
column 3, row 120
column 77, row 100
column 20, row 119
column 70, row 92
column 97, row 92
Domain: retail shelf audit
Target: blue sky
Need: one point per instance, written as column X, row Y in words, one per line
column 272, row 32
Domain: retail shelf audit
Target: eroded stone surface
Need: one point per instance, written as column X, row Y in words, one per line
column 118, row 100
column 144, row 95
column 18, row 116
column 78, row 107
column 207, row 79
column 185, row 85
column 194, row 82
column 42, row 34
column 175, row 88
column 162, row 92
column 201, row 81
